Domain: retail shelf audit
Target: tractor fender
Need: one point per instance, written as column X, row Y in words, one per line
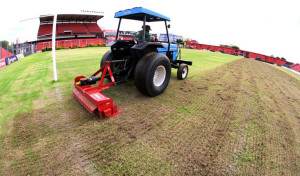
column 142, row 46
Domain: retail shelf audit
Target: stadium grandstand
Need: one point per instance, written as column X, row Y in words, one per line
column 72, row 30
column 110, row 35
column 26, row 48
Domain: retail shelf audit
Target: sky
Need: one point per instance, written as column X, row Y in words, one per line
column 270, row 27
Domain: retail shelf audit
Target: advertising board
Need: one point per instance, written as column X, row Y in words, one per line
column 11, row 59
column 2, row 63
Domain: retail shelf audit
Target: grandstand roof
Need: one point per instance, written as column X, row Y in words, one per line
column 84, row 16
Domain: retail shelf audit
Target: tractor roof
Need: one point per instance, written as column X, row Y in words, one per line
column 138, row 13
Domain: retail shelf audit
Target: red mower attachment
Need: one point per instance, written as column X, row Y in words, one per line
column 91, row 98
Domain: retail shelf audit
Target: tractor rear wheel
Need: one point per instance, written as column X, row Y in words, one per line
column 152, row 74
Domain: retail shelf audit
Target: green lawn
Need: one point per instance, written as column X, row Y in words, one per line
column 29, row 79
column 295, row 75
column 28, row 91
column 231, row 116
column 205, row 60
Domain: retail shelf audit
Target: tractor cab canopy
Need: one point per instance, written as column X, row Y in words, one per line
column 143, row 15
column 138, row 13
column 140, row 41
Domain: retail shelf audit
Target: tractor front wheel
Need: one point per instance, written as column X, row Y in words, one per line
column 182, row 71
column 152, row 74
column 106, row 57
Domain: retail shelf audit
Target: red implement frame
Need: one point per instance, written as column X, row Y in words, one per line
column 91, row 98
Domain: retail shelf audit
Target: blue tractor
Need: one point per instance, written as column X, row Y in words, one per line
column 148, row 63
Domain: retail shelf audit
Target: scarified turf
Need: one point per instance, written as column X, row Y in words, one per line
column 241, row 118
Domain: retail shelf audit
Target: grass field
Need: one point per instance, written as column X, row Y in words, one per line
column 232, row 116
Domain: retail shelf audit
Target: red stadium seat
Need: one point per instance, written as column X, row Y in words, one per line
column 45, row 30
column 76, row 28
column 93, row 28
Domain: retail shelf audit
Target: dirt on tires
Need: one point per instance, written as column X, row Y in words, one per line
column 242, row 118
